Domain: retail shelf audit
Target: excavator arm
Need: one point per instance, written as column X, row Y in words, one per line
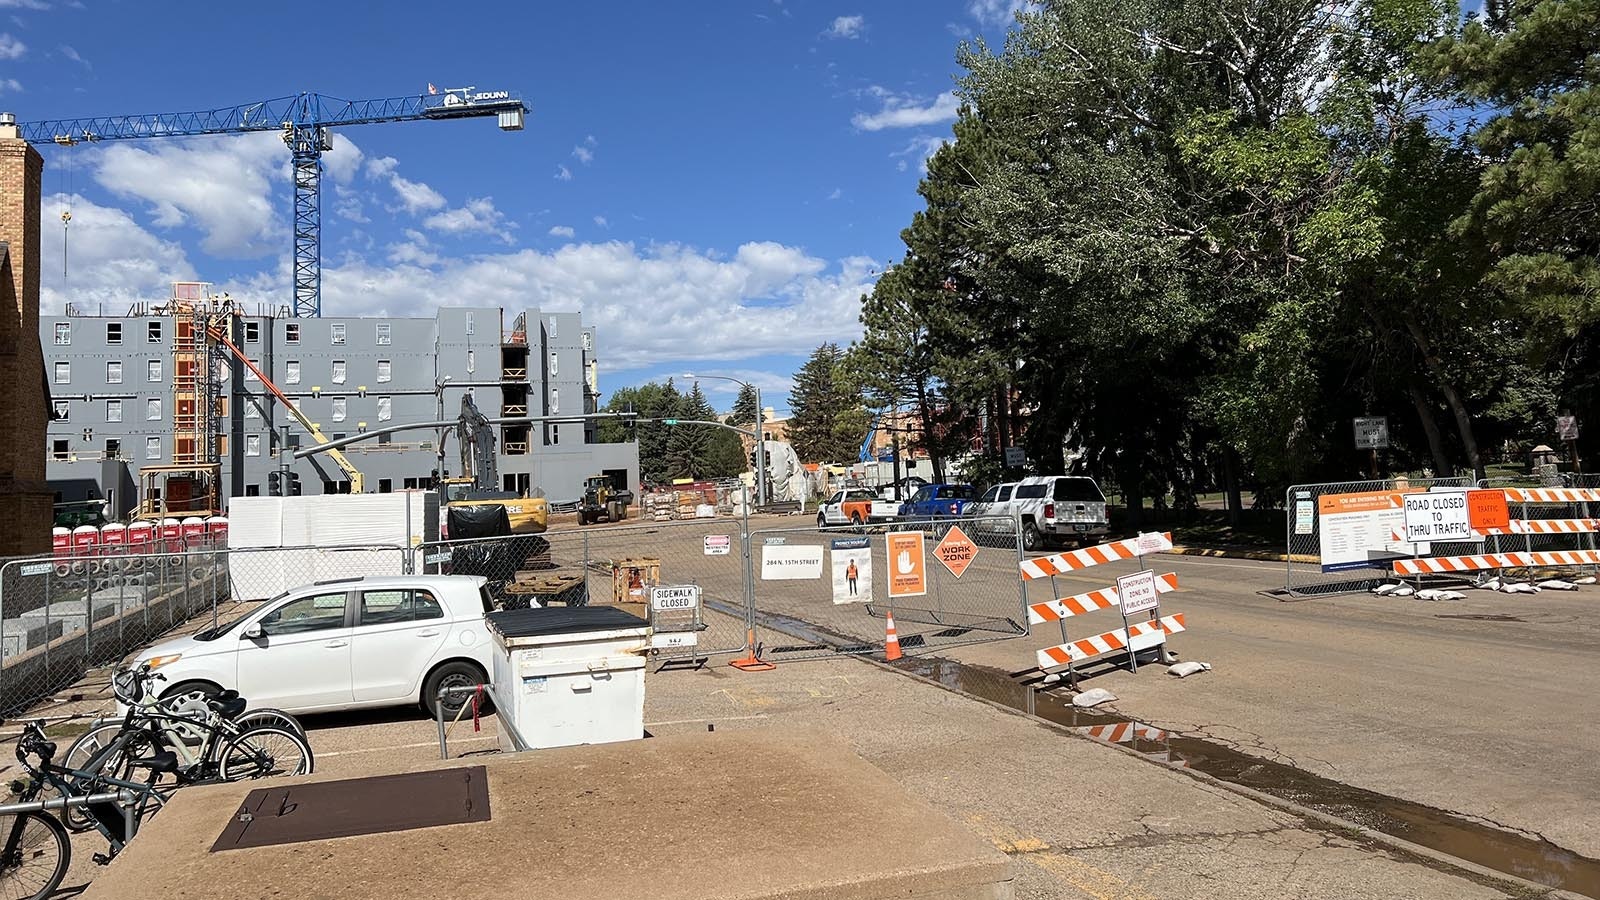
column 357, row 480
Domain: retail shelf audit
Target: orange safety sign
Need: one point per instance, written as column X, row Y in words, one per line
column 908, row 570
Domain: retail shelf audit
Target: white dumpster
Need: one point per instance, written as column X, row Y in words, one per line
column 570, row 675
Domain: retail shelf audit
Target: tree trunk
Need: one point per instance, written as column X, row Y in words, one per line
column 930, row 440
column 1230, row 485
column 1430, row 427
column 1469, row 442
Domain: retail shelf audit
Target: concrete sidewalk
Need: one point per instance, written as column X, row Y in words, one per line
column 1082, row 819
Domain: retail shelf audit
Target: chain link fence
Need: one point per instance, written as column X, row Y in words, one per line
column 617, row 565
column 61, row 617
column 1330, row 539
column 826, row 592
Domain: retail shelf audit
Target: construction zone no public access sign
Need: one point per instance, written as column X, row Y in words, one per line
column 1438, row 516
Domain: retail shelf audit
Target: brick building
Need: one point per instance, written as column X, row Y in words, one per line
column 25, row 500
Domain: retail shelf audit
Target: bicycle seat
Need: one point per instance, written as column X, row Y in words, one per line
column 164, row 761
column 227, row 695
column 46, row 750
column 229, row 709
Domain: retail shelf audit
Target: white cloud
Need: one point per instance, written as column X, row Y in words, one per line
column 652, row 305
column 382, row 166
column 996, row 13
column 415, row 196
column 847, row 27
column 562, row 231
column 11, row 48
column 110, row 259
column 837, row 193
column 600, row 220
column 476, row 216
column 10, row 85
column 24, row 4
column 69, row 53
column 224, row 186
column 903, row 111
column 584, row 152
column 563, row 173
column 922, row 147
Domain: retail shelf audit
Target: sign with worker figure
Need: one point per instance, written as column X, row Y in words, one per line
column 852, row 570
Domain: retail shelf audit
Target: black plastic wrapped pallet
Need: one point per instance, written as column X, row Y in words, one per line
column 516, row 623
column 489, row 520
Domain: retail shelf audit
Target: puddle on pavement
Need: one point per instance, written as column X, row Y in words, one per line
column 1526, row 857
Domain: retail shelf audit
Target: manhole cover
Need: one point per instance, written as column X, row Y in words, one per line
column 297, row 813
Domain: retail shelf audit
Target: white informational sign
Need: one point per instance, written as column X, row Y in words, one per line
column 1150, row 542
column 36, row 568
column 852, row 570
column 781, row 562
column 1016, row 457
column 1438, row 516
column 1305, row 517
column 1372, row 433
column 1137, row 592
column 662, row 640
column 432, row 558
column 1356, row 531
column 674, row 597
column 719, row 544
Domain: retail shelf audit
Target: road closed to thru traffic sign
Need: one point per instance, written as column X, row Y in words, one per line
column 1438, row 516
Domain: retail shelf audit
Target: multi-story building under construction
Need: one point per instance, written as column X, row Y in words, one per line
column 154, row 412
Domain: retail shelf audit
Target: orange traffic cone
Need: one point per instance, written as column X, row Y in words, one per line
column 891, row 641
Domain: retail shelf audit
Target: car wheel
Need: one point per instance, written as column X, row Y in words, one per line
column 822, row 522
column 1030, row 536
column 452, row 675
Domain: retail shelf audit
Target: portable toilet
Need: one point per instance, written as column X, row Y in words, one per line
column 85, row 540
column 60, row 541
column 114, row 539
column 140, row 536
column 217, row 531
column 194, row 531
column 171, row 535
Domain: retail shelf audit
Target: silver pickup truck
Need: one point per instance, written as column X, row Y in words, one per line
column 1048, row 509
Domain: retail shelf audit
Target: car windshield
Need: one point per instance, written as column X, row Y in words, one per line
column 1030, row 491
column 211, row 634
column 1078, row 489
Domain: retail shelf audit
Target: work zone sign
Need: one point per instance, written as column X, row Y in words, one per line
column 1458, row 515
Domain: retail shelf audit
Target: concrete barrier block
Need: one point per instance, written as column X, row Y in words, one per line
column 22, row 634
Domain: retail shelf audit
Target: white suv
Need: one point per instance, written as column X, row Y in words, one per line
column 1055, row 509
column 344, row 644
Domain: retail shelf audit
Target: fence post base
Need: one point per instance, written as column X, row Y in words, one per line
column 753, row 662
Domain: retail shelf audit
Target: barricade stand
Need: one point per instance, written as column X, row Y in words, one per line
column 1133, row 636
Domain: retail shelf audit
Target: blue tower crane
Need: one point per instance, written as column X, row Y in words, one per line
column 304, row 120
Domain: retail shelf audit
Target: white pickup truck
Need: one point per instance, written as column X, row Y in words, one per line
column 856, row 506
column 1055, row 509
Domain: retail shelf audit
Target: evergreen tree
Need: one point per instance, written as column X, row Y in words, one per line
column 688, row 445
column 744, row 408
column 828, row 420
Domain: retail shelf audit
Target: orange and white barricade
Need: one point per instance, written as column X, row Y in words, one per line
column 1133, row 636
column 1477, row 562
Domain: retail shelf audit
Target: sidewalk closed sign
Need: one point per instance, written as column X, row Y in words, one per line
column 1438, row 516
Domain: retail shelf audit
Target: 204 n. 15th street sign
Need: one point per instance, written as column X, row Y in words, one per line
column 1438, row 516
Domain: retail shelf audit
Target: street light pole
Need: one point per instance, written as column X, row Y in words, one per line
column 760, row 444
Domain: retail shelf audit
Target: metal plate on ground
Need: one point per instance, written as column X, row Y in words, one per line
column 297, row 813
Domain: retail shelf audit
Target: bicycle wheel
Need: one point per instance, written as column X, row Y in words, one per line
column 84, row 749
column 34, row 856
column 265, row 751
column 266, row 715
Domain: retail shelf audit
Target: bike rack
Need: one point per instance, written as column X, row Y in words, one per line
column 123, row 798
column 511, row 730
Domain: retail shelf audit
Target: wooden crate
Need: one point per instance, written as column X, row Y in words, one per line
column 563, row 587
column 632, row 578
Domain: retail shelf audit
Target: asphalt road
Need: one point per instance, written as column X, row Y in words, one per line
column 1482, row 707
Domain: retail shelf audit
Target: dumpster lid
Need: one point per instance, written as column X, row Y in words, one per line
column 513, row 623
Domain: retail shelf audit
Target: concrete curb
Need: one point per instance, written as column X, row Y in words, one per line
column 1232, row 553
column 1322, row 819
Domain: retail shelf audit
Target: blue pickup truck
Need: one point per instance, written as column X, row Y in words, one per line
column 938, row 501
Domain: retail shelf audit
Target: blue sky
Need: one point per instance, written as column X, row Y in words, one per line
column 713, row 184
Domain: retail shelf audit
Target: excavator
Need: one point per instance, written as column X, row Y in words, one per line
column 476, row 486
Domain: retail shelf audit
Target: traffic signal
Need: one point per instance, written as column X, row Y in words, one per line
column 275, row 483
column 294, row 483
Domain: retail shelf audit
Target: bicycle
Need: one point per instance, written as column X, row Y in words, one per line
column 213, row 743
column 37, row 851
